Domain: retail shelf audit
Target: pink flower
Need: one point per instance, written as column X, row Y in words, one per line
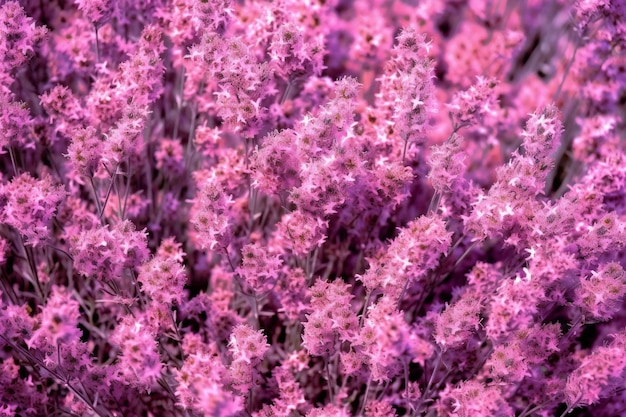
column 407, row 90
column 458, row 321
column 210, row 213
column 470, row 106
column 170, row 159
column 58, row 322
column 85, row 150
column 472, row 398
column 332, row 318
column 15, row 124
column 301, row 232
column 247, row 345
column 597, row 373
column 29, row 205
column 275, row 167
column 104, row 252
column 94, row 10
column 139, row 362
column 259, row 267
column 18, row 36
column 600, row 295
column 386, row 340
column 163, row 276
column 414, row 252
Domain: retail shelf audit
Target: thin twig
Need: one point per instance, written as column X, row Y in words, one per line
column 96, row 197
column 128, row 178
column 13, row 161
column 367, row 391
column 34, row 360
column 429, row 385
column 95, row 26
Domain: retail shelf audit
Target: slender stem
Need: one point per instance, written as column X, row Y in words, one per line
column 383, row 391
column 189, row 146
column 331, row 394
column 182, row 357
column 162, row 382
column 406, row 383
column 8, row 289
column 251, row 206
column 406, row 285
column 429, row 385
column 30, row 257
column 570, row 407
column 13, row 161
column 311, row 264
column 432, row 375
column 367, row 391
column 434, row 202
column 566, row 72
column 574, row 326
column 95, row 26
column 287, row 91
column 179, row 102
column 255, row 310
column 54, row 165
column 467, row 251
column 456, row 245
column 106, row 198
column 117, row 192
column 367, row 300
column 406, row 142
column 128, row 178
column 96, row 197
column 528, row 410
column 479, row 364
column 230, row 262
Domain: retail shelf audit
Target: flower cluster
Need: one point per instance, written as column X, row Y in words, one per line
column 163, row 276
column 332, row 319
column 58, row 322
column 210, row 213
column 29, row 205
column 511, row 199
column 407, row 92
column 103, row 252
column 18, row 36
column 139, row 358
column 387, row 342
column 247, row 348
column 410, row 256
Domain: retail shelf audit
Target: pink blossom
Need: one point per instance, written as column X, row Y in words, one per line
column 29, row 205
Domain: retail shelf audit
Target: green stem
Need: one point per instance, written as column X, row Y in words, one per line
column 179, row 102
column 570, row 407
column 13, row 161
column 406, row 143
column 96, row 197
column 95, row 26
column 566, row 72
column 30, row 257
column 331, row 394
column 430, row 383
column 106, row 198
column 128, row 178
column 434, row 202
column 367, row 391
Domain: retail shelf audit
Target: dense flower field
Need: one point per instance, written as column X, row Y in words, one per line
column 316, row 208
